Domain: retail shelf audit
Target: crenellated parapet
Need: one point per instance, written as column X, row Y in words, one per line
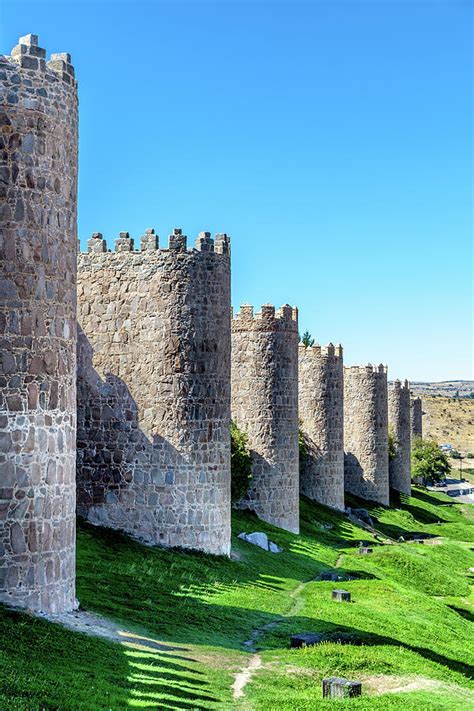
column 150, row 242
column 265, row 406
column 154, row 388
column 320, row 399
column 268, row 319
column 366, row 432
column 38, row 212
column 399, row 423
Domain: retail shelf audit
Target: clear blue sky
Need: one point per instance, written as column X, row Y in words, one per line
column 331, row 140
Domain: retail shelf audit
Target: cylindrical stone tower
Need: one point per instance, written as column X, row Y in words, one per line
column 265, row 406
column 154, row 389
column 320, row 399
column 416, row 418
column 38, row 188
column 399, row 423
column 366, row 433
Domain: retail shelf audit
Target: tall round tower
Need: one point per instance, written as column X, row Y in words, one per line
column 38, row 328
column 416, row 417
column 154, row 389
column 265, row 406
column 366, row 433
column 320, row 399
column 399, row 422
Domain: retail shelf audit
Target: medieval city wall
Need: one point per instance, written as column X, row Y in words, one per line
column 366, row 432
column 320, row 400
column 154, row 389
column 265, row 406
column 38, row 189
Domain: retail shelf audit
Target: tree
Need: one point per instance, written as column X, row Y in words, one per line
column 307, row 340
column 240, row 463
column 428, row 462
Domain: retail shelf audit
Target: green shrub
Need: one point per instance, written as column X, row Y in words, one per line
column 307, row 339
column 240, row 463
column 428, row 462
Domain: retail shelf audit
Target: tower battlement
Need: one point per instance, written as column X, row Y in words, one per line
column 267, row 319
column 316, row 351
column 150, row 242
column 369, row 368
column 28, row 55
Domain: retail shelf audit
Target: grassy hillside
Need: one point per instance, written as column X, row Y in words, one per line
column 450, row 420
column 191, row 622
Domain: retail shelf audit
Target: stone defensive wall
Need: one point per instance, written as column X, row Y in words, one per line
column 38, row 190
column 320, row 398
column 366, row 432
column 416, row 417
column 265, row 406
column 399, row 423
column 153, row 453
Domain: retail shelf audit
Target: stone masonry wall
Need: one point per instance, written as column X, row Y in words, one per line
column 416, row 417
column 320, row 400
column 38, row 189
column 154, row 389
column 265, row 406
column 399, row 422
column 366, row 433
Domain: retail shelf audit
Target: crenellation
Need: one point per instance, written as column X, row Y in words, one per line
column 222, row 243
column 149, row 242
column 204, row 242
column 96, row 244
column 177, row 241
column 124, row 243
column 268, row 318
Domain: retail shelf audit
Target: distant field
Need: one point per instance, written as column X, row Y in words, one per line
column 449, row 420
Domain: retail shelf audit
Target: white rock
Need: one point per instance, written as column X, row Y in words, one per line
column 261, row 540
column 273, row 548
column 258, row 539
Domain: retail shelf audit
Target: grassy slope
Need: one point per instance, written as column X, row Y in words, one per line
column 410, row 618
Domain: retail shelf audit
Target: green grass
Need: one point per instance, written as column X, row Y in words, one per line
column 410, row 622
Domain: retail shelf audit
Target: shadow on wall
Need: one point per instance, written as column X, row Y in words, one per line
column 353, row 469
column 273, row 492
column 122, row 480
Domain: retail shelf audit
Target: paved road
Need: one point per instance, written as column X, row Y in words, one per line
column 456, row 489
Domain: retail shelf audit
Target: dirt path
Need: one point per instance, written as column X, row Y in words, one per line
column 243, row 677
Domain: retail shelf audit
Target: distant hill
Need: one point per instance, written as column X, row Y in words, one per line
column 449, row 388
